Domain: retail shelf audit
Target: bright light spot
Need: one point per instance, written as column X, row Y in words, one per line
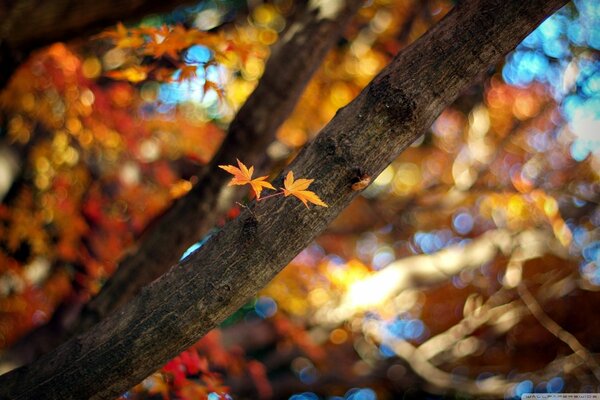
column 299, row 363
column 191, row 89
column 91, row 68
column 199, row 244
column 562, row 232
column 9, row 167
column 592, row 252
column 190, row 250
column 386, row 351
column 414, row 329
column 361, row 394
column 587, row 130
column 385, row 177
column 513, row 275
column 367, row 245
column 555, row 385
column 149, row 150
column 523, row 387
column 305, row 396
column 37, row 271
column 207, row 19
column 328, row 9
column 479, row 121
column 409, row 329
column 113, row 58
column 265, row 307
column 463, row 223
column 383, row 257
column 338, row 336
column 408, row 175
column 130, row 173
column 318, row 297
column 523, row 67
column 463, row 174
column 381, row 21
column 340, row 95
column 430, row 242
column 585, row 119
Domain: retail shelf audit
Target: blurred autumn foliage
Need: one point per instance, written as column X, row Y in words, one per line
column 469, row 268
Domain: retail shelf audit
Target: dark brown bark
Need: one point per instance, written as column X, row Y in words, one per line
column 288, row 70
column 174, row 311
column 292, row 63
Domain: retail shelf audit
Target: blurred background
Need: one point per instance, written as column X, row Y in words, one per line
column 468, row 269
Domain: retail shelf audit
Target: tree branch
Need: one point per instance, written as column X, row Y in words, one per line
column 559, row 332
column 287, row 72
column 171, row 313
column 291, row 65
column 426, row 270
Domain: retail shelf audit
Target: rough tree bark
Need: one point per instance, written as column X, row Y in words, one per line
column 293, row 61
column 289, row 68
column 174, row 311
column 26, row 25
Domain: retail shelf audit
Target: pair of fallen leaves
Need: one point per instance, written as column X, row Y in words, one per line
column 242, row 175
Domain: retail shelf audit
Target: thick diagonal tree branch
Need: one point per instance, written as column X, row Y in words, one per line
column 292, row 63
column 288, row 70
column 174, row 311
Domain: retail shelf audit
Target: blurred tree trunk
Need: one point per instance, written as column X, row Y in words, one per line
column 173, row 312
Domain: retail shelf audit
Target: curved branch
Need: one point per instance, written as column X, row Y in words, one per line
column 431, row 269
column 559, row 332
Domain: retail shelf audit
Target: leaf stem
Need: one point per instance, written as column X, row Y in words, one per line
column 269, row 196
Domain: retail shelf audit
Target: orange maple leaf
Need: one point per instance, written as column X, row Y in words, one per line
column 243, row 176
column 116, row 34
column 298, row 189
column 171, row 42
column 124, row 38
column 158, row 49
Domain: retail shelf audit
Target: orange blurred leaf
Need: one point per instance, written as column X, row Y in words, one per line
column 187, row 72
column 214, row 86
column 124, row 38
column 135, row 74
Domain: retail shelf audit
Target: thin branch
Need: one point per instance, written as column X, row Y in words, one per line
column 426, row 270
column 438, row 379
column 561, row 334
